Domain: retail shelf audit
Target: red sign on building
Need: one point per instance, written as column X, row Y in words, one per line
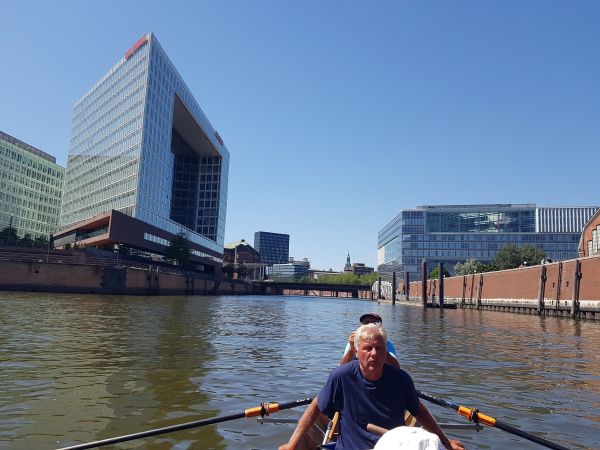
column 134, row 48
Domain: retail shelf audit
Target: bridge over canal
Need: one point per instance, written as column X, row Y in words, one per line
column 318, row 289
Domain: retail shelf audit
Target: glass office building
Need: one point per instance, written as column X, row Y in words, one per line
column 453, row 233
column 141, row 145
column 30, row 188
column 273, row 248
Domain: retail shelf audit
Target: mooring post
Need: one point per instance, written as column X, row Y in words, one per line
column 379, row 289
column 542, row 290
column 479, row 291
column 576, row 284
column 424, row 283
column 441, row 274
column 393, row 288
column 464, row 291
column 406, row 286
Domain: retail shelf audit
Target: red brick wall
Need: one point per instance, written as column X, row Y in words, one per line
column 523, row 283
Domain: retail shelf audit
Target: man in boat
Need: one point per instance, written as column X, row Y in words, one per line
column 368, row 391
column 350, row 351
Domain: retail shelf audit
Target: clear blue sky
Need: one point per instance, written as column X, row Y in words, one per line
column 338, row 114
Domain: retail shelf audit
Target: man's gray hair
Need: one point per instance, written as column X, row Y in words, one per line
column 369, row 331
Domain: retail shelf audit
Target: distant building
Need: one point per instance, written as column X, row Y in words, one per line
column 240, row 252
column 296, row 269
column 452, row 233
column 30, row 188
column 359, row 269
column 356, row 268
column 273, row 248
column 589, row 245
column 316, row 274
column 142, row 147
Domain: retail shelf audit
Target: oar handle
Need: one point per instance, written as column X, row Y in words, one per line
column 375, row 429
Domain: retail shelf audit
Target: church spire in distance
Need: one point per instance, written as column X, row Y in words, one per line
column 348, row 260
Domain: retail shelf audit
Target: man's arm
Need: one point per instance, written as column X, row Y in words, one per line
column 391, row 360
column 306, row 421
column 349, row 355
column 432, row 426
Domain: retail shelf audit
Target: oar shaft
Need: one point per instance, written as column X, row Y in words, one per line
column 476, row 416
column 250, row 412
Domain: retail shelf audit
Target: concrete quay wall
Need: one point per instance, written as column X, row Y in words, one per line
column 523, row 290
column 93, row 279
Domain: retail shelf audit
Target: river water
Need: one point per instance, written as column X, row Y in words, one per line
column 81, row 368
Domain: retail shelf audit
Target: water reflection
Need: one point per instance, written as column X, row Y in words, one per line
column 81, row 368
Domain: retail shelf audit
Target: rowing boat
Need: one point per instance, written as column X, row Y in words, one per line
column 324, row 432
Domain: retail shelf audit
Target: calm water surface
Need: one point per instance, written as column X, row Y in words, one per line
column 80, row 368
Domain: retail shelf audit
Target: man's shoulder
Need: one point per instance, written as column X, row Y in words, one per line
column 346, row 369
column 396, row 372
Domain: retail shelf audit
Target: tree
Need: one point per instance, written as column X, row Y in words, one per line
column 26, row 241
column 512, row 256
column 228, row 270
column 8, row 236
column 532, row 254
column 41, row 241
column 179, row 250
column 241, row 270
column 435, row 273
column 470, row 266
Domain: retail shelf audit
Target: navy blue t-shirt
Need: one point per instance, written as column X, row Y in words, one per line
column 360, row 401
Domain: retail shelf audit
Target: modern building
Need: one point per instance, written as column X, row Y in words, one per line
column 453, row 233
column 296, row 269
column 142, row 147
column 273, row 248
column 589, row 245
column 30, row 188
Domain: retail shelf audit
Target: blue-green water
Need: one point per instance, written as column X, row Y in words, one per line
column 80, row 368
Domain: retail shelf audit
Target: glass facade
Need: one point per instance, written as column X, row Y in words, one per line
column 140, row 144
column 273, row 248
column 453, row 233
column 289, row 270
column 30, row 188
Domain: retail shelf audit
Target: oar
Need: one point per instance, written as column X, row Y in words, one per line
column 475, row 416
column 262, row 410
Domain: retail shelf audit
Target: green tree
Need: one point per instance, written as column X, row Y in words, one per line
column 512, row 256
column 532, row 254
column 179, row 250
column 26, row 241
column 241, row 270
column 41, row 241
column 435, row 273
column 228, row 270
column 8, row 236
column 470, row 266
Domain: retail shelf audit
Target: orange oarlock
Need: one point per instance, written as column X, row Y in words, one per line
column 474, row 415
column 263, row 410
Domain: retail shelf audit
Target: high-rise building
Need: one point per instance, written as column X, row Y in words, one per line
column 273, row 248
column 453, row 233
column 141, row 145
column 30, row 188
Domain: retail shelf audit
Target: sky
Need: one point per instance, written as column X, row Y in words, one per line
column 339, row 114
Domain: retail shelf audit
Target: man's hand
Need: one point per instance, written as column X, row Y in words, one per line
column 286, row 447
column 351, row 341
column 456, row 445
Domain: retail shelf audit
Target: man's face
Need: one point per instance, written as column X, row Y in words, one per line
column 371, row 357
